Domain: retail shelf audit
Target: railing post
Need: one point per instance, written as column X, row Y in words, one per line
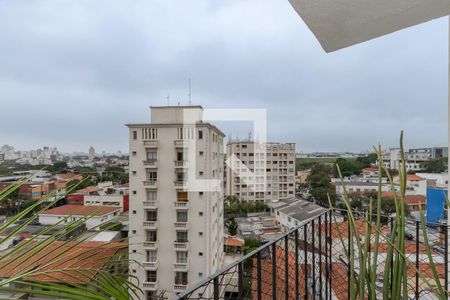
column 392, row 257
column 326, row 255
column 417, row 260
column 313, row 265
column 348, row 256
column 297, row 293
column 320, row 257
column 305, row 249
column 240, row 280
column 286, row 266
column 274, row 271
column 446, row 258
column 258, row 275
column 216, row 288
column 330, row 255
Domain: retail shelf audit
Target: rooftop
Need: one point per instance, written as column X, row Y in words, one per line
column 78, row 264
column 80, row 210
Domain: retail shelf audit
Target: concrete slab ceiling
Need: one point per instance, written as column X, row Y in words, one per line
column 341, row 23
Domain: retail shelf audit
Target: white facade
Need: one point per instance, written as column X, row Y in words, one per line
column 92, row 222
column 265, row 172
column 176, row 205
column 413, row 157
column 360, row 187
column 114, row 200
column 440, row 178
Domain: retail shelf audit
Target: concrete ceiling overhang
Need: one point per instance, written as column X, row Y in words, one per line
column 341, row 23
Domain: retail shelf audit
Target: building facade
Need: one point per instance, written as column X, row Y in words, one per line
column 413, row 157
column 176, row 200
column 260, row 172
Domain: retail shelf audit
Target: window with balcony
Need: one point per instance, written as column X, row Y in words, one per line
column 152, row 156
column 181, row 177
column 151, row 195
column 182, row 236
column 152, row 215
column 182, row 257
column 182, row 196
column 152, row 276
column 200, row 134
column 152, row 176
column 182, row 216
column 151, row 236
column 181, row 278
column 152, row 256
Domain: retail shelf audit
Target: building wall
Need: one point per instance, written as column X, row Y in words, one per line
column 273, row 168
column 90, row 223
column 435, row 204
column 107, row 200
column 205, row 208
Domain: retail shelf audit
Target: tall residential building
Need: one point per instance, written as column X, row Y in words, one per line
column 260, row 172
column 176, row 200
column 91, row 153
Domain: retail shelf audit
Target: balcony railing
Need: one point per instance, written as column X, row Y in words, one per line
column 179, row 287
column 180, row 163
column 181, row 246
column 151, row 286
column 150, row 225
column 151, row 144
column 150, row 245
column 151, row 266
column 151, row 183
column 181, row 225
column 181, row 267
column 181, row 143
column 180, row 184
column 181, row 204
column 153, row 163
column 150, row 204
column 311, row 262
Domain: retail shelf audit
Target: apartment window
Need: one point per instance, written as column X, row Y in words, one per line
column 134, row 153
column 182, row 196
column 151, row 195
column 200, row 193
column 134, row 135
column 200, row 134
column 152, row 295
column 152, row 215
column 151, row 276
column 182, row 216
column 152, row 176
column 152, row 256
column 181, row 278
column 200, row 233
column 182, row 236
column 182, row 257
column 200, row 254
column 134, row 172
column 244, row 146
column 134, row 212
column 151, row 236
column 200, row 153
column 180, row 155
column 200, row 173
column 134, row 192
column 200, row 214
column 151, row 155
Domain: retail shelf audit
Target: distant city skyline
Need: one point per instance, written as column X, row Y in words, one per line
column 76, row 84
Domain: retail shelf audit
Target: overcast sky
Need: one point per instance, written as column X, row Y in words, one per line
column 72, row 73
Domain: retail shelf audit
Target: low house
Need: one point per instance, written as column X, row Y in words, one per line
column 96, row 214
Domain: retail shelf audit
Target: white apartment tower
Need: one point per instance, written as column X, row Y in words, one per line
column 176, row 200
column 260, row 172
column 91, row 153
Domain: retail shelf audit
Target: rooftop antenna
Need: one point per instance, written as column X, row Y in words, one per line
column 168, row 99
column 190, row 92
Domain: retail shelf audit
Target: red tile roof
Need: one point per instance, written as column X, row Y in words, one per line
column 69, row 176
column 340, row 230
column 370, row 170
column 62, row 261
column 80, row 210
column 414, row 177
column 409, row 199
column 426, row 271
column 234, row 242
column 89, row 189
